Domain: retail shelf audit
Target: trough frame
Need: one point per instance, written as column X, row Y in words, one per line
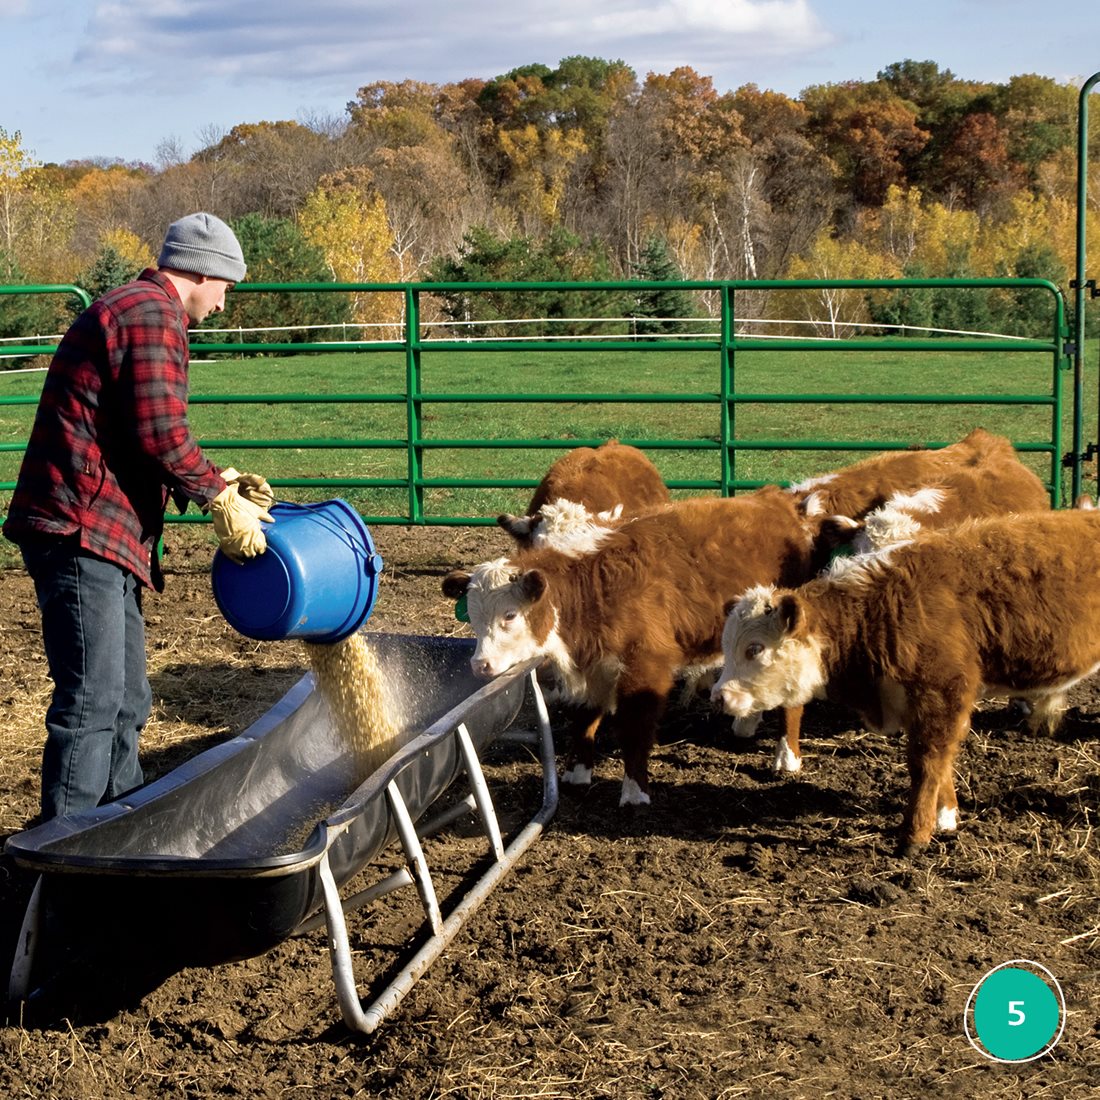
column 443, row 929
column 330, row 908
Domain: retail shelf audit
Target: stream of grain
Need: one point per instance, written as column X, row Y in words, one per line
column 349, row 678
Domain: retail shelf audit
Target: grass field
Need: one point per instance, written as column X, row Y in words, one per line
column 362, row 436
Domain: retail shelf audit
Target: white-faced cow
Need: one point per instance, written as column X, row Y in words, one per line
column 619, row 623
column 584, row 492
column 912, row 636
column 980, row 476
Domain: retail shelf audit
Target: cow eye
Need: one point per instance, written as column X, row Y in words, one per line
column 753, row 650
column 510, row 616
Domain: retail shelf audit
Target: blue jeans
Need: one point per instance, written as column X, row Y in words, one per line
column 94, row 638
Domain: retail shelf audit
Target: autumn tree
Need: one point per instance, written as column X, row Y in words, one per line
column 35, row 216
column 869, row 131
column 546, row 136
column 678, row 156
column 106, row 199
column 530, row 153
column 836, row 311
column 266, row 168
column 345, row 217
column 1039, row 116
column 411, row 136
column 16, row 173
column 976, row 164
column 794, row 179
column 276, row 251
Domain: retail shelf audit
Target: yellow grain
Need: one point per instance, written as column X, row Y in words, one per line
column 349, row 678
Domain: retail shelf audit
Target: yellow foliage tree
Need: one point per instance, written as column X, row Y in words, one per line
column 104, row 199
column 1033, row 221
column 345, row 217
column 35, row 216
column 540, row 162
column 837, row 311
column 914, row 234
column 129, row 246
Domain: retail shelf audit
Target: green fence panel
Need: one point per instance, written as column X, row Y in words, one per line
column 423, row 395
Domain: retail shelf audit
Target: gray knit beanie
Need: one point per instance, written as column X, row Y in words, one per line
column 203, row 245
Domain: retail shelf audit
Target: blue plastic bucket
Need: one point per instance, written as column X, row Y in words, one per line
column 317, row 580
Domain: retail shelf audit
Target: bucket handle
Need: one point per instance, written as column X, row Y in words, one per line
column 372, row 562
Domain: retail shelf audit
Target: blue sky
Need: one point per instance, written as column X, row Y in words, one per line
column 118, row 79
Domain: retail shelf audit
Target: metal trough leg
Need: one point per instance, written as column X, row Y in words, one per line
column 414, row 852
column 29, row 934
column 351, row 1008
column 398, row 879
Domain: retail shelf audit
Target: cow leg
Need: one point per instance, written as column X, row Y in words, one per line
column 933, row 744
column 947, row 804
column 584, row 721
column 636, row 719
column 788, row 755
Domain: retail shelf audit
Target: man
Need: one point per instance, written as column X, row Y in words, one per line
column 110, row 444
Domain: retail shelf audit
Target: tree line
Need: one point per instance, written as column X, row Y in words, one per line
column 586, row 172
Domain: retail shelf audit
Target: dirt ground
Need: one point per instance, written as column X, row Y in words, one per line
column 744, row 936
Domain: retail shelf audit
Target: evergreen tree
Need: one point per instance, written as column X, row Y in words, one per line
column 276, row 252
column 108, row 270
column 561, row 257
column 1025, row 311
column 660, row 310
column 906, row 308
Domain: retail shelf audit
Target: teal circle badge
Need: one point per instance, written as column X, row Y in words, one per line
column 1018, row 1012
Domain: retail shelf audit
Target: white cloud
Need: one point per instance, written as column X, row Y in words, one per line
column 340, row 44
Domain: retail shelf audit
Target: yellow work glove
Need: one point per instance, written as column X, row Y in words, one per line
column 237, row 524
column 253, row 487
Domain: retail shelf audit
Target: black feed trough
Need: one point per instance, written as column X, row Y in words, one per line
column 250, row 841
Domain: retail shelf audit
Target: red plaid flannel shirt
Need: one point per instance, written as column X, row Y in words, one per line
column 111, row 440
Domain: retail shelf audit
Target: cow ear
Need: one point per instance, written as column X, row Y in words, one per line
column 519, row 527
column 834, row 538
column 836, row 531
column 455, row 584
column 532, row 585
column 728, row 606
column 790, row 612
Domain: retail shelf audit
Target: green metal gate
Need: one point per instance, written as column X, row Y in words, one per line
column 721, row 393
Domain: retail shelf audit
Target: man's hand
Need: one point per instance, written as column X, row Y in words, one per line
column 253, row 487
column 237, row 524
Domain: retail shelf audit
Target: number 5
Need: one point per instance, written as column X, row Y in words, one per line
column 1015, row 1009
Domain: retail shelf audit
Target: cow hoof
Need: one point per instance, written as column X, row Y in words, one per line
column 577, row 776
column 785, row 762
column 633, row 795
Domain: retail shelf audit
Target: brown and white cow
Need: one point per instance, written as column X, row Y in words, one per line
column 980, row 476
column 619, row 623
column 863, row 486
column 912, row 636
column 583, row 493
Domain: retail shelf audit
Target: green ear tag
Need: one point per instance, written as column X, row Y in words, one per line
column 461, row 613
column 843, row 551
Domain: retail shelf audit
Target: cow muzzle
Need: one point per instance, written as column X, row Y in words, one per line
column 482, row 668
column 733, row 699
